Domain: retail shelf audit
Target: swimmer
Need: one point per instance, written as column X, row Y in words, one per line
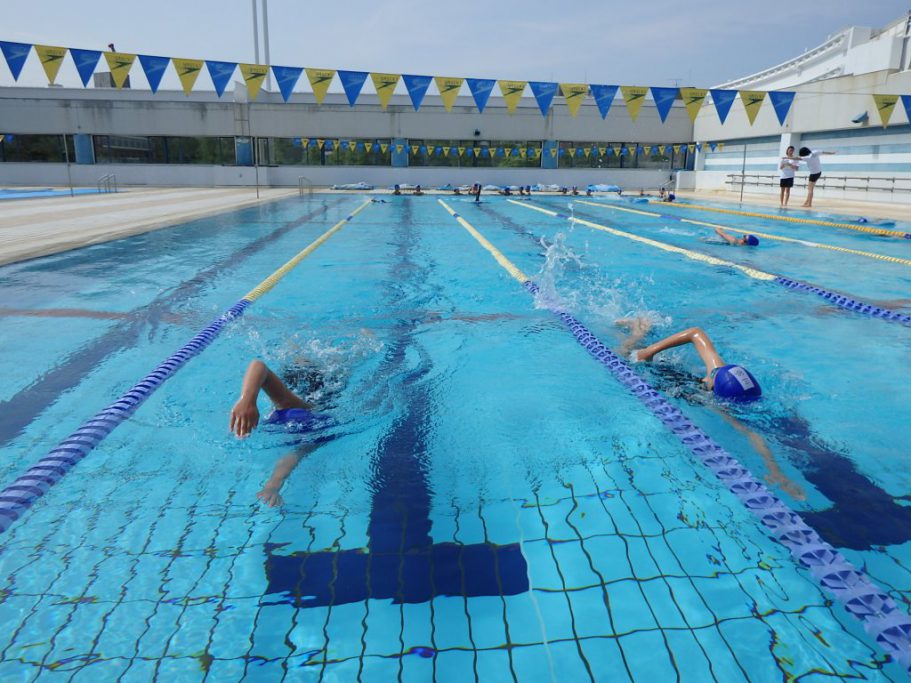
column 670, row 197
column 378, row 201
column 289, row 410
column 396, row 190
column 742, row 241
column 476, row 191
column 456, row 190
column 575, row 191
column 418, row 191
column 662, row 194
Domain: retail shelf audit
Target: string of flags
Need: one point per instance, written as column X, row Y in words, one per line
column 384, row 84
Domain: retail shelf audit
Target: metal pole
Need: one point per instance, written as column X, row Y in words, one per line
column 266, row 43
column 254, row 144
column 255, row 34
column 743, row 170
column 69, row 174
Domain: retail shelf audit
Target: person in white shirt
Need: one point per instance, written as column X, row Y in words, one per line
column 814, row 167
column 787, row 167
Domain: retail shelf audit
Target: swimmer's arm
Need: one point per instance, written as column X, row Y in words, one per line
column 695, row 336
column 726, row 237
column 270, row 493
column 245, row 414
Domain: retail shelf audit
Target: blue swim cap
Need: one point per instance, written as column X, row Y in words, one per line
column 862, row 220
column 752, row 240
column 736, row 384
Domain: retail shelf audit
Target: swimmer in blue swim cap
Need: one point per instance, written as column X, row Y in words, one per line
column 730, row 382
column 742, row 241
column 292, row 413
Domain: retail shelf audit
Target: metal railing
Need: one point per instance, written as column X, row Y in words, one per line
column 827, row 182
column 107, row 183
column 304, row 181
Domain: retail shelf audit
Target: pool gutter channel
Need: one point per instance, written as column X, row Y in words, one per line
column 880, row 615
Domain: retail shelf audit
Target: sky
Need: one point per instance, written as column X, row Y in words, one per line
column 642, row 42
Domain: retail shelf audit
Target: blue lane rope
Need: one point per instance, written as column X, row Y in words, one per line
column 22, row 493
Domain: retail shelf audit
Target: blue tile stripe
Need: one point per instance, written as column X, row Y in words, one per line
column 22, row 493
column 880, row 615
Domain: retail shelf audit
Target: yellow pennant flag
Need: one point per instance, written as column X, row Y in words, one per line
column 254, row 75
column 187, row 71
column 523, row 152
column 537, row 152
column 574, row 94
column 693, row 99
column 384, row 85
column 448, row 89
column 634, row 96
column 430, row 150
column 691, row 147
column 617, row 150
column 320, row 142
column 720, row 146
column 752, row 101
column 120, row 64
column 553, row 151
column 587, row 151
column 461, row 151
column 676, row 149
column 512, row 93
column 414, row 150
column 51, row 58
column 320, row 79
column 446, row 151
column 476, row 151
column 384, row 146
column 572, row 151
column 661, row 149
column 400, row 148
column 885, row 105
column 602, row 151
column 647, row 149
column 305, row 142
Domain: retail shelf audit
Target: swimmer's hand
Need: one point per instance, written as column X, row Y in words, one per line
column 270, row 496
column 244, row 417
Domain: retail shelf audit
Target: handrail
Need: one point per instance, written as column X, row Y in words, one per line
column 301, row 181
column 828, row 181
column 107, row 183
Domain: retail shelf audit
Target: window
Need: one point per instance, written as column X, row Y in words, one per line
column 48, row 148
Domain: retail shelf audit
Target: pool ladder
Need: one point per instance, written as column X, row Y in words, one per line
column 304, row 181
column 107, row 183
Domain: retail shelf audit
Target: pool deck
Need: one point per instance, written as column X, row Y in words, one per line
column 39, row 227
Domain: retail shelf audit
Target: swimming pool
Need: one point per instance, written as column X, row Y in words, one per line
column 493, row 504
column 35, row 193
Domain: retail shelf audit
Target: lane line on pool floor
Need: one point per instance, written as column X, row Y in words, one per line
column 767, row 235
column 882, row 232
column 23, row 492
column 879, row 614
column 836, row 299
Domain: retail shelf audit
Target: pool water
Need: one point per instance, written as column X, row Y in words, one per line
column 489, row 503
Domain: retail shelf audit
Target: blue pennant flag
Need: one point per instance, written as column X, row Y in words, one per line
column 664, row 100
column 698, row 146
column 16, row 54
column 480, row 89
column 86, row 61
column 610, row 151
column 423, row 149
column 723, row 100
column 286, row 78
column 221, row 73
column 713, row 145
column 485, row 152
column 417, row 88
column 604, row 97
column 906, row 103
column 782, row 103
column 296, row 142
column 154, row 68
column 359, row 147
column 352, row 82
column 544, row 94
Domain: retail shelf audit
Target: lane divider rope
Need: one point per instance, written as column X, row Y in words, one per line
column 882, row 232
column 880, row 615
column 22, row 493
column 840, row 300
column 778, row 238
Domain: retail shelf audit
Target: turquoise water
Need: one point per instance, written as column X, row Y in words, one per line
column 29, row 193
column 492, row 505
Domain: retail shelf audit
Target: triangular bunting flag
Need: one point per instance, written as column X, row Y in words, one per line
column 906, row 103
column 885, row 105
column 51, row 58
column 661, row 149
column 187, row 71
column 399, row 148
column 712, row 146
column 538, row 151
column 617, row 149
column 523, row 153
column 572, row 151
column 414, row 150
column 320, row 79
column 720, row 146
column 692, row 100
column 120, row 64
column 602, row 151
column 352, row 82
column 15, row 54
column 574, row 94
column 448, row 89
column 286, row 78
column 634, row 96
column 384, row 146
column 320, row 142
column 480, row 90
column 664, row 100
column 698, row 146
column 154, row 68
column 723, row 99
column 553, row 151
column 384, row 84
column 676, row 149
column 504, row 151
column 648, row 150
column 587, row 151
column 461, row 151
column 220, row 73
column 544, row 94
column 512, row 93
column 691, row 147
column 254, row 75
column 85, row 61
column 306, row 142
column 781, row 101
column 417, row 88
column 604, row 97
column 752, row 101
column 476, row 151
column 446, row 151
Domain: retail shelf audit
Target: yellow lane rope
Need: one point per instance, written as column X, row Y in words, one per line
column 779, row 238
column 695, row 255
column 496, row 253
column 273, row 279
column 793, row 219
